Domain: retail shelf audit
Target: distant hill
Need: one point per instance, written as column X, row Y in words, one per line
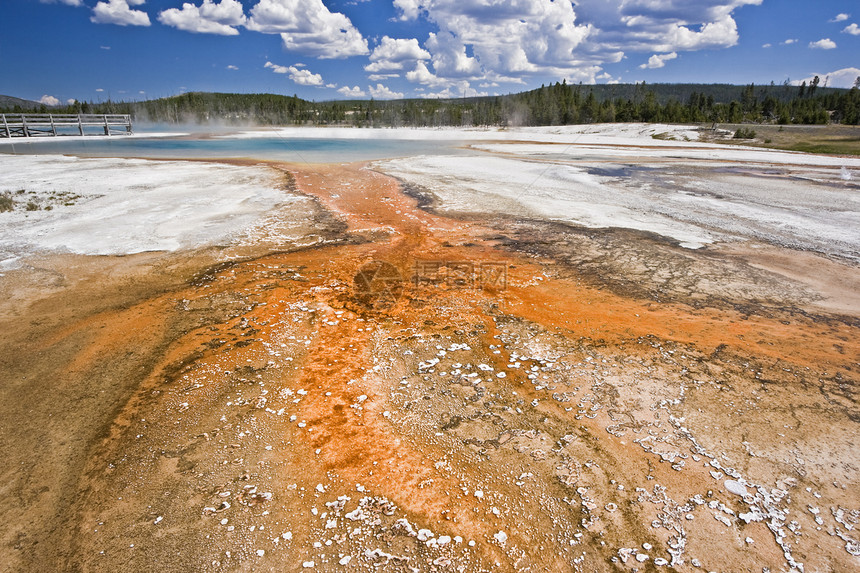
column 9, row 102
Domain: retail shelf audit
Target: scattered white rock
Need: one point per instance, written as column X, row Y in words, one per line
column 736, row 487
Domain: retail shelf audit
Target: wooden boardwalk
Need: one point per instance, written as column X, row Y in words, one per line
column 53, row 125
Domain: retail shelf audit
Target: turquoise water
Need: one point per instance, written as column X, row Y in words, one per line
column 296, row 150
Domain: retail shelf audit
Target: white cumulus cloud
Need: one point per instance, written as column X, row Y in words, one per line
column 823, row 44
column 383, row 92
column 394, row 54
column 353, row 92
column 422, row 75
column 209, row 18
column 658, row 61
column 301, row 76
column 308, row 27
column 451, row 59
column 409, row 9
column 49, row 100
column 504, row 41
column 789, row 42
column 843, row 78
column 456, row 90
column 119, row 12
column 276, row 68
column 841, row 17
column 478, row 39
column 664, row 25
column 852, row 29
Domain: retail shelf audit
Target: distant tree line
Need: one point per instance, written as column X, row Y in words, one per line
column 557, row 104
column 560, row 104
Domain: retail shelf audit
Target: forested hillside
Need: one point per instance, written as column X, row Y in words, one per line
column 9, row 103
column 557, row 104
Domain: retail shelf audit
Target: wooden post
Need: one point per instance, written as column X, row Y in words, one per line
column 53, row 127
column 6, row 126
column 80, row 125
column 107, row 127
column 24, row 126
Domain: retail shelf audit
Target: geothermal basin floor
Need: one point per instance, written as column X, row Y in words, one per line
column 384, row 381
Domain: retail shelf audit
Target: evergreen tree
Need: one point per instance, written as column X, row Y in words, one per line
column 813, row 86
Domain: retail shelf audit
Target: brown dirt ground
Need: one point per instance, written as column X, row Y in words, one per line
column 501, row 396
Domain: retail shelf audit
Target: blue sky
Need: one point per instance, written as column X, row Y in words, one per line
column 57, row 50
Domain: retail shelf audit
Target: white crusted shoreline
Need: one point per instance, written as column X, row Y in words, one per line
column 693, row 193
column 126, row 206
column 610, row 175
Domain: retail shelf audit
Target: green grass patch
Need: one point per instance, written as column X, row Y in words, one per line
column 833, row 147
column 6, row 203
column 829, row 139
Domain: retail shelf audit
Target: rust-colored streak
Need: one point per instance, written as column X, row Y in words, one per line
column 274, row 375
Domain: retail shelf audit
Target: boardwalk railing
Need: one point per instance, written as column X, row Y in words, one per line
column 52, row 125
